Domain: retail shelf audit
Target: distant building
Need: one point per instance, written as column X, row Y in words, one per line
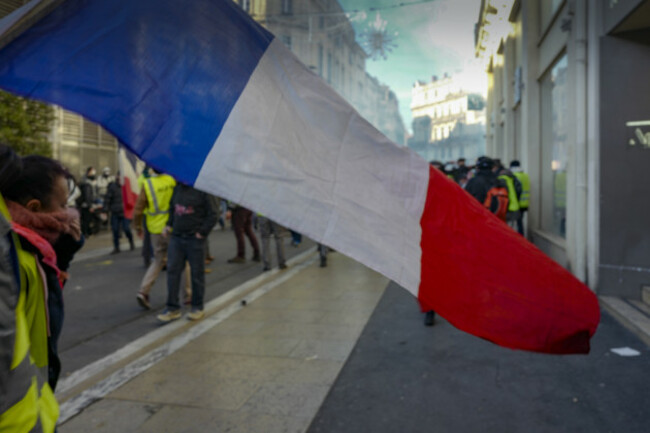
column 319, row 33
column 448, row 122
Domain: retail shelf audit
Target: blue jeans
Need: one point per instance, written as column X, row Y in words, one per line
column 180, row 250
column 118, row 222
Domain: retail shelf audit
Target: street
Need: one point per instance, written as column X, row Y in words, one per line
column 281, row 363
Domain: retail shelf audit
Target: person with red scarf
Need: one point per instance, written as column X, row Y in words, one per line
column 50, row 235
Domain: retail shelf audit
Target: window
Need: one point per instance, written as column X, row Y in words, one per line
column 246, row 5
column 329, row 67
column 286, row 40
column 320, row 60
column 548, row 8
column 555, row 129
column 287, row 7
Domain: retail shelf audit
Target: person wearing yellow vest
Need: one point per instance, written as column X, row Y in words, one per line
column 514, row 192
column 43, row 238
column 153, row 202
column 524, row 200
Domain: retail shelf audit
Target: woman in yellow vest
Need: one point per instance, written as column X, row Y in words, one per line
column 48, row 235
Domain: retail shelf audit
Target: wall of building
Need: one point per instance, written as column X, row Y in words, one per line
column 581, row 66
column 625, row 153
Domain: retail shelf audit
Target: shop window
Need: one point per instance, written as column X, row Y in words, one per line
column 286, row 40
column 555, row 130
column 246, row 5
column 287, row 7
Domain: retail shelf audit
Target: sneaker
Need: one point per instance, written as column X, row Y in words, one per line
column 169, row 315
column 283, row 266
column 131, row 246
column 323, row 262
column 429, row 318
column 143, row 300
column 115, row 251
column 266, row 269
column 237, row 259
column 256, row 258
column 195, row 314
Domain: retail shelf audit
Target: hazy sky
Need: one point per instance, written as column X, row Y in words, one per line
column 434, row 37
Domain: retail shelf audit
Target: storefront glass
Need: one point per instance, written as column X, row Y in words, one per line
column 555, row 128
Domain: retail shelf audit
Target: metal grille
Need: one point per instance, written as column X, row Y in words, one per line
column 8, row 6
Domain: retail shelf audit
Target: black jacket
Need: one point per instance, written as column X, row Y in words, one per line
column 191, row 211
column 479, row 185
column 113, row 200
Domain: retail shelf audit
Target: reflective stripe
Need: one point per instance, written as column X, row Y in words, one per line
column 154, row 199
column 18, row 380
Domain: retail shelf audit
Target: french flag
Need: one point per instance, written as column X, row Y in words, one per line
column 199, row 90
column 129, row 180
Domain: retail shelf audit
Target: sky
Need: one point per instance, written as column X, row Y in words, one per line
column 433, row 38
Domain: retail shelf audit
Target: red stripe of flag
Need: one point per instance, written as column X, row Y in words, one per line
column 487, row 280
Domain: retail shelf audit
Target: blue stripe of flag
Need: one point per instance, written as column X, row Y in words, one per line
column 161, row 75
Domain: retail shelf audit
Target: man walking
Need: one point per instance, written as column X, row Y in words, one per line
column 242, row 223
column 192, row 215
column 154, row 201
column 268, row 228
column 115, row 204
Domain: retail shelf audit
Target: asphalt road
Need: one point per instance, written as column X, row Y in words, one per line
column 101, row 312
column 405, row 377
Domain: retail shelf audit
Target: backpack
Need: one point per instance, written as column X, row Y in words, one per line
column 496, row 200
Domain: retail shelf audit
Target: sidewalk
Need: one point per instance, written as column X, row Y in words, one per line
column 261, row 367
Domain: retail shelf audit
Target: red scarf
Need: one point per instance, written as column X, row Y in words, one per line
column 42, row 230
column 49, row 226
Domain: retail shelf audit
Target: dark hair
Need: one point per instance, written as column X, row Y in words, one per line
column 10, row 166
column 36, row 181
column 515, row 163
column 88, row 169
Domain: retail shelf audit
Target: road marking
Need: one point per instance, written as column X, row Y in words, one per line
column 100, row 365
column 99, row 390
column 638, row 123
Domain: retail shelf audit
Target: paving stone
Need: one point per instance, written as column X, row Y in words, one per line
column 287, row 399
column 109, row 416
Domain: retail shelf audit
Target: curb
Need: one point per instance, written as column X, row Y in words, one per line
column 631, row 317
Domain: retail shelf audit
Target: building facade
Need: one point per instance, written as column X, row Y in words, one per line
column 448, row 121
column 320, row 34
column 567, row 81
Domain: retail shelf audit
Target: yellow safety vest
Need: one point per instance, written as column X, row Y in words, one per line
column 513, row 204
column 29, row 404
column 159, row 190
column 524, row 179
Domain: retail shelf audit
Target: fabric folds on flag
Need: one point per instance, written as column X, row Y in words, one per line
column 202, row 92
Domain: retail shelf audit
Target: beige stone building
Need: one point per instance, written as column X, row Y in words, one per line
column 320, row 34
column 448, row 121
column 567, row 81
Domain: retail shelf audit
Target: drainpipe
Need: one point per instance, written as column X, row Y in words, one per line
column 580, row 225
column 593, row 151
